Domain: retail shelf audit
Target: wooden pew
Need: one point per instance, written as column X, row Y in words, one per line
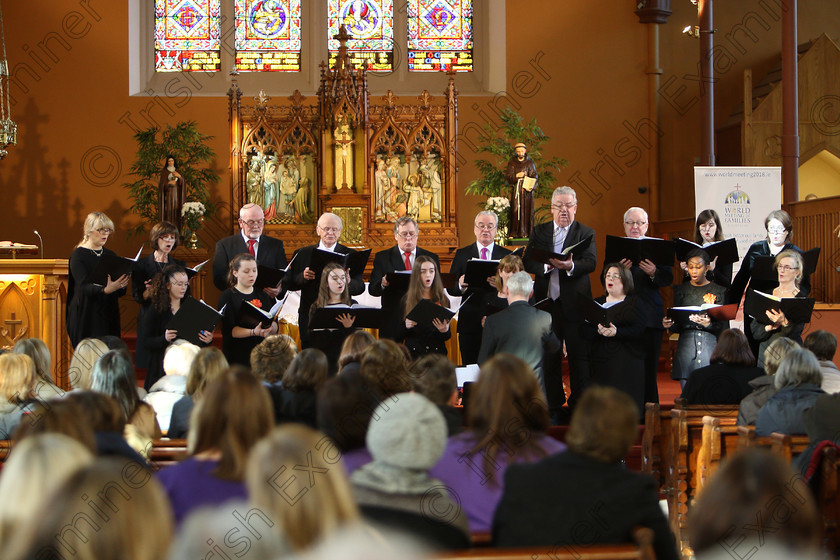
column 641, row 549
column 656, row 441
column 167, row 452
column 719, row 440
column 5, row 449
column 828, row 501
column 788, row 445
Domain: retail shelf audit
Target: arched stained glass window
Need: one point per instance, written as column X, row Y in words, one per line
column 187, row 35
column 440, row 36
column 370, row 23
column 267, row 35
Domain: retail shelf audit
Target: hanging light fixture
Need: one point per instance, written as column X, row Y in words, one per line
column 8, row 128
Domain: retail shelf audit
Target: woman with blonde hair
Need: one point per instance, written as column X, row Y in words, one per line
column 129, row 521
column 45, row 387
column 35, row 468
column 232, row 416
column 17, row 390
column 93, row 309
column 323, row 508
column 507, row 421
column 207, row 366
column 81, row 364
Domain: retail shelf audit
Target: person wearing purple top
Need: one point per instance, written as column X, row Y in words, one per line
column 507, row 423
column 233, row 415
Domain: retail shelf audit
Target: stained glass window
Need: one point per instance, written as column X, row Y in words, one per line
column 267, row 35
column 187, row 35
column 370, row 24
column 440, row 36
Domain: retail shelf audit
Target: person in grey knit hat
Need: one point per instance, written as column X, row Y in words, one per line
column 406, row 437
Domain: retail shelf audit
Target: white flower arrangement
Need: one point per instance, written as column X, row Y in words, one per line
column 193, row 214
column 500, row 206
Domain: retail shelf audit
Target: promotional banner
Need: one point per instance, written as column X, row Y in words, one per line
column 742, row 197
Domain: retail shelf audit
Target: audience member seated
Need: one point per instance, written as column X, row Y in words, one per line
column 169, row 389
column 208, row 365
column 395, row 489
column 552, row 502
column 764, row 386
column 345, row 407
column 113, row 375
column 798, row 382
column 232, row 416
column 295, row 400
column 754, row 507
column 350, row 358
column 822, row 420
column 81, row 364
column 45, row 387
column 58, row 416
column 434, row 377
column 320, row 508
column 507, row 422
column 17, row 390
column 107, row 422
column 726, row 380
column 271, row 357
column 385, row 368
column 116, row 512
column 36, row 467
column 824, row 344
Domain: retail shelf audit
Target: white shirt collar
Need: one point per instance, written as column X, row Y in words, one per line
column 325, row 248
column 489, row 249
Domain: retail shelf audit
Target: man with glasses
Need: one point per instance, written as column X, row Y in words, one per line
column 648, row 279
column 566, row 283
column 400, row 257
column 303, row 278
column 267, row 250
column 469, row 317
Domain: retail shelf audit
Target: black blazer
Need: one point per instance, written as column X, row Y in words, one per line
column 270, row 252
column 520, row 330
column 574, row 287
column 471, row 313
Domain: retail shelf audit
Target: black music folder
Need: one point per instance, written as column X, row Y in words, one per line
column 796, row 310
column 680, row 315
column 193, row 317
column 542, row 256
column 398, row 280
column 113, row 266
column 477, row 272
column 659, row 251
column 725, row 251
column 250, row 316
column 425, row 311
column 764, row 267
column 196, row 269
column 355, row 261
column 270, row 277
column 327, row 317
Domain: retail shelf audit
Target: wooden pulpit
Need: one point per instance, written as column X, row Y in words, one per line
column 33, row 294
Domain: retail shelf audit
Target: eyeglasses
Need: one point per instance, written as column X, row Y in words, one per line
column 252, row 223
column 612, row 276
column 562, row 205
column 105, row 231
column 485, row 227
column 179, row 284
column 776, row 230
column 408, row 234
column 786, row 268
column 632, row 223
column 330, row 229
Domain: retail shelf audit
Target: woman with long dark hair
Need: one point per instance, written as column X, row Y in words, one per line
column 334, row 290
column 424, row 284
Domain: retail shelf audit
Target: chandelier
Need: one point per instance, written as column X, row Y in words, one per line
column 8, row 128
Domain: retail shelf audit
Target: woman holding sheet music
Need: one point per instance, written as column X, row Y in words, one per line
column 789, row 265
column 167, row 290
column 497, row 300
column 616, row 355
column 422, row 339
column 334, row 290
column 93, row 310
column 707, row 230
column 238, row 340
column 164, row 238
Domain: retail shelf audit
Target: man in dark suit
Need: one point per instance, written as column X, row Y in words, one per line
column 400, row 257
column 267, row 250
column 521, row 330
column 566, row 282
column 584, row 496
column 303, row 278
column 648, row 279
column 469, row 317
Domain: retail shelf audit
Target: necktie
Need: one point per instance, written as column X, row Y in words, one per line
column 554, row 281
column 484, row 253
column 408, row 261
column 251, row 243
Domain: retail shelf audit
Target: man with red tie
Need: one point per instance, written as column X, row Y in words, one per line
column 401, row 257
column 267, row 250
column 469, row 317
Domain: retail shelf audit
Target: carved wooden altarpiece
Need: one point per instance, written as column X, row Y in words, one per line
column 369, row 161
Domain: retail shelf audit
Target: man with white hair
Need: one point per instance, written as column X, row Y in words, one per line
column 267, row 250
column 303, row 278
column 521, row 330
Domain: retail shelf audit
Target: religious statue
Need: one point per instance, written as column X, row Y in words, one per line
column 343, row 156
column 270, row 189
column 382, row 183
column 254, row 181
column 172, row 193
column 521, row 174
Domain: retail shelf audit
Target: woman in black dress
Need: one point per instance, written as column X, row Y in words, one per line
column 93, row 310
column 164, row 239
column 334, row 290
column 167, row 290
column 424, row 284
column 616, row 355
column 238, row 341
